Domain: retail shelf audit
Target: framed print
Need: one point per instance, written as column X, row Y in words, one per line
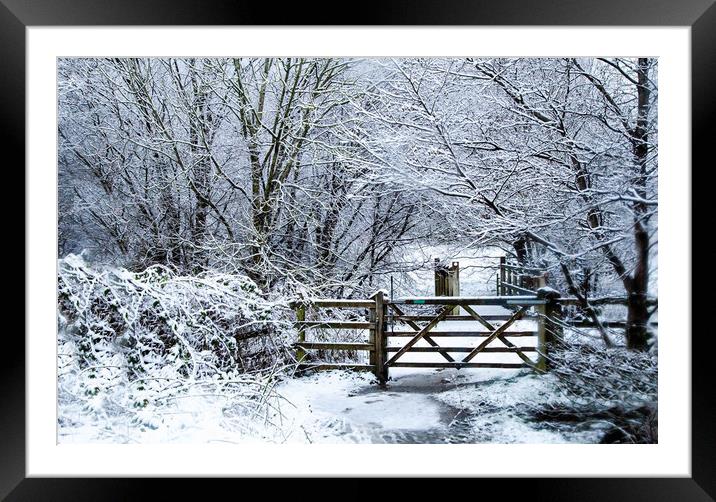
column 419, row 241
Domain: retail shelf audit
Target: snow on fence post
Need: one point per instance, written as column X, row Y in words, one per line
column 380, row 346
column 301, row 317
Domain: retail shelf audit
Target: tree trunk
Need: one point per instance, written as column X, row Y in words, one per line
column 520, row 247
column 637, row 334
column 200, row 172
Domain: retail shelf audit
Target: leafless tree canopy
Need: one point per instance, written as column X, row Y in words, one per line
column 316, row 174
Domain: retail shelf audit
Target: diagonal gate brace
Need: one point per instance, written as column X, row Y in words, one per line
column 495, row 334
column 421, row 334
column 416, row 327
column 500, row 337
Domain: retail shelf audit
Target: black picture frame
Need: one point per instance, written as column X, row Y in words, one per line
column 700, row 15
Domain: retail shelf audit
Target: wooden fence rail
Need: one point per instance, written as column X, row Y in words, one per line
column 514, row 279
column 303, row 347
column 382, row 318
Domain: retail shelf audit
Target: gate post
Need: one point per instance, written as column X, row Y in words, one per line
column 501, row 291
column 447, row 281
column 550, row 327
column 380, row 342
column 439, row 278
column 553, row 313
column 510, row 280
column 454, row 284
column 300, row 317
column 541, row 337
column 371, row 338
column 554, row 318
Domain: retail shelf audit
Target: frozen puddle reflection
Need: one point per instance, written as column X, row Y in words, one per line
column 391, row 410
column 376, row 415
column 393, row 417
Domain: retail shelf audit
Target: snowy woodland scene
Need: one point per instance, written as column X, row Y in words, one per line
column 358, row 250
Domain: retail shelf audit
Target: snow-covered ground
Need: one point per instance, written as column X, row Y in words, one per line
column 416, row 406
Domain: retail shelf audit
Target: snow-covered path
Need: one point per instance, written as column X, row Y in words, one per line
column 419, row 406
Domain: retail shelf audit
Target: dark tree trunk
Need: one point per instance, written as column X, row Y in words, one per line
column 200, row 172
column 637, row 334
column 520, row 247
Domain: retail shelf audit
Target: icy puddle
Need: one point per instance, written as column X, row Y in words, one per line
column 386, row 416
column 393, row 418
column 392, row 410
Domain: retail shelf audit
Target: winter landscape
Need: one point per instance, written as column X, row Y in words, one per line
column 363, row 250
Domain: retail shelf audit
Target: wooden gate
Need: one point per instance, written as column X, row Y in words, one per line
column 430, row 319
column 516, row 279
column 487, row 327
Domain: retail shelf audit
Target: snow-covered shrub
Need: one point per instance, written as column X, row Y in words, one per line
column 589, row 372
column 128, row 343
column 198, row 324
column 614, row 389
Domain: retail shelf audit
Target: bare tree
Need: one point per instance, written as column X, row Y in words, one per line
column 545, row 156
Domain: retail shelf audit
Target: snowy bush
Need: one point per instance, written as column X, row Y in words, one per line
column 611, row 389
column 129, row 343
